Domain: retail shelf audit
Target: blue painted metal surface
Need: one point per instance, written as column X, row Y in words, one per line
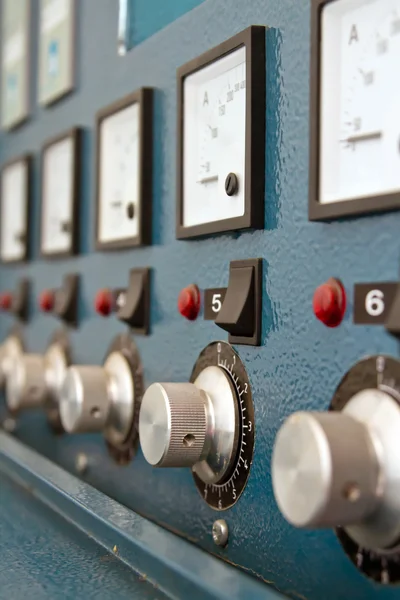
column 62, row 538
column 43, row 557
column 146, row 17
column 300, row 362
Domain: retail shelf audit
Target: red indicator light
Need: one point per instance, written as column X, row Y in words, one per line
column 46, row 300
column 104, row 302
column 6, row 301
column 329, row 302
column 189, row 302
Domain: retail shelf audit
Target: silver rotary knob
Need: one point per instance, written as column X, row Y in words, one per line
column 34, row 380
column 341, row 469
column 99, row 399
column 26, row 382
column 191, row 425
column 11, row 348
column 85, row 399
column 325, row 470
column 173, row 424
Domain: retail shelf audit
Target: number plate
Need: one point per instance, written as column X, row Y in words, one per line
column 213, row 300
column 372, row 302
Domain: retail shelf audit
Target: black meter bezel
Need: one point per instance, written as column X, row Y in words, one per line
column 253, row 39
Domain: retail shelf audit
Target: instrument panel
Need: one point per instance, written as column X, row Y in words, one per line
column 189, row 277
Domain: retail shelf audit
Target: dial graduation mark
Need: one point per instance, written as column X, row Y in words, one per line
column 225, row 494
column 382, row 373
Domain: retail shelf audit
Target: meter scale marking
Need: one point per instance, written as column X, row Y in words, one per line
column 365, row 105
column 211, row 133
column 225, row 494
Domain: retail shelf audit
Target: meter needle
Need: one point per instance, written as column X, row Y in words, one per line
column 364, row 137
column 208, row 179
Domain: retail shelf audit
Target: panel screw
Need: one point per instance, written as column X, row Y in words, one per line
column 231, row 184
column 65, row 227
column 81, row 463
column 9, row 425
column 220, row 532
column 130, row 210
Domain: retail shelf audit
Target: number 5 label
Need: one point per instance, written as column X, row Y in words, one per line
column 372, row 302
column 213, row 300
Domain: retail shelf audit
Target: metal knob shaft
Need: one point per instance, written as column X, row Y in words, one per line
column 85, row 399
column 26, row 385
column 173, row 424
column 325, row 470
column 11, row 348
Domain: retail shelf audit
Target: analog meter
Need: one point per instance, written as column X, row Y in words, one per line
column 355, row 94
column 60, row 194
column 221, row 137
column 124, row 172
column 15, row 194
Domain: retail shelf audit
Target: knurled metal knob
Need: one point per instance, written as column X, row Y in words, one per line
column 26, row 385
column 85, row 399
column 173, row 424
column 325, row 470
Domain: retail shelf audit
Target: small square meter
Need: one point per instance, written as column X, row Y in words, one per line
column 221, row 138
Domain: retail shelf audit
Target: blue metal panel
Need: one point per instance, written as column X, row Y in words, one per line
column 65, row 538
column 43, row 557
column 300, row 362
column 146, row 17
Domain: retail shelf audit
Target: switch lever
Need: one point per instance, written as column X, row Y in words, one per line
column 392, row 324
column 135, row 310
column 240, row 314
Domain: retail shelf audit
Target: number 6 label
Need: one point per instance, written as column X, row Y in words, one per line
column 373, row 301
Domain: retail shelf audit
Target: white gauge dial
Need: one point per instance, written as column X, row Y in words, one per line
column 14, row 211
column 359, row 100
column 214, row 141
column 58, row 197
column 119, row 176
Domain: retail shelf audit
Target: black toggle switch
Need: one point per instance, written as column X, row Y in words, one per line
column 134, row 302
column 20, row 300
column 66, row 300
column 240, row 314
column 392, row 324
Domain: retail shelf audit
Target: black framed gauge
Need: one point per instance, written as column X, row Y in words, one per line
column 57, row 49
column 221, row 138
column 15, row 199
column 354, row 124
column 124, row 172
column 61, row 191
column 15, row 44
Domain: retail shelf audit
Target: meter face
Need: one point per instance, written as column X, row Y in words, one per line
column 124, row 196
column 358, row 141
column 15, row 210
column 214, row 140
column 216, row 96
column 60, row 190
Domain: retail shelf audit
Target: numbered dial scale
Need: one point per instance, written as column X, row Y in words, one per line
column 124, row 172
column 355, row 123
column 221, row 137
column 207, row 425
column 341, row 468
column 61, row 168
column 14, row 216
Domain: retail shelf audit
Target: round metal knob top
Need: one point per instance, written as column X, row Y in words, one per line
column 26, row 382
column 84, row 399
column 325, row 470
column 173, row 424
